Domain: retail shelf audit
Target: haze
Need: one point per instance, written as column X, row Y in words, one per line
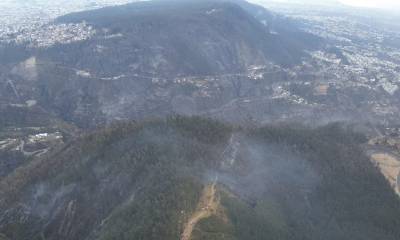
column 357, row 3
column 372, row 3
column 385, row 4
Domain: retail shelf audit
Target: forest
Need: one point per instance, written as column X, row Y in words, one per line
column 141, row 180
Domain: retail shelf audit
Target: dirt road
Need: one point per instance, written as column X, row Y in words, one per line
column 206, row 207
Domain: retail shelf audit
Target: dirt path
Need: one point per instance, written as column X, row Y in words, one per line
column 11, row 83
column 7, row 143
column 209, row 202
column 231, row 151
column 206, row 207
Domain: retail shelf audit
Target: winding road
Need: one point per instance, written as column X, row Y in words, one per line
column 29, row 154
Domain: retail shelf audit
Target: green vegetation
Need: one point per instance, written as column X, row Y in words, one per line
column 22, row 117
column 214, row 228
column 143, row 180
column 351, row 199
column 261, row 222
column 155, row 212
column 3, row 237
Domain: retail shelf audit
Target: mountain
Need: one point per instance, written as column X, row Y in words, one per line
column 198, row 35
column 179, row 120
column 146, row 58
column 195, row 178
column 230, row 60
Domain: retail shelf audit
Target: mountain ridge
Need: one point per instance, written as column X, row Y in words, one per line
column 131, row 182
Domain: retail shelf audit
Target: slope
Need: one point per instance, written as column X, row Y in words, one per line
column 145, row 180
column 146, row 57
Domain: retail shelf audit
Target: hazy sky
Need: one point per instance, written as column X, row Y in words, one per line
column 389, row 4
column 373, row 3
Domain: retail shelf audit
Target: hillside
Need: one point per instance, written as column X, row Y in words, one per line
column 230, row 60
column 178, row 37
column 146, row 180
column 151, row 59
column 27, row 132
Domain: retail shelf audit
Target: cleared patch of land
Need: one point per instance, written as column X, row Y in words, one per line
column 389, row 166
column 207, row 206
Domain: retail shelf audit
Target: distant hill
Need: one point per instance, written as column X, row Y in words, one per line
column 151, row 59
column 143, row 46
column 193, row 37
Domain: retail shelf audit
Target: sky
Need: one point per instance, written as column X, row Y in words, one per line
column 372, row 3
column 385, row 4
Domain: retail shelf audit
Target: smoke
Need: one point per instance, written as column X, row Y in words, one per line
column 265, row 169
